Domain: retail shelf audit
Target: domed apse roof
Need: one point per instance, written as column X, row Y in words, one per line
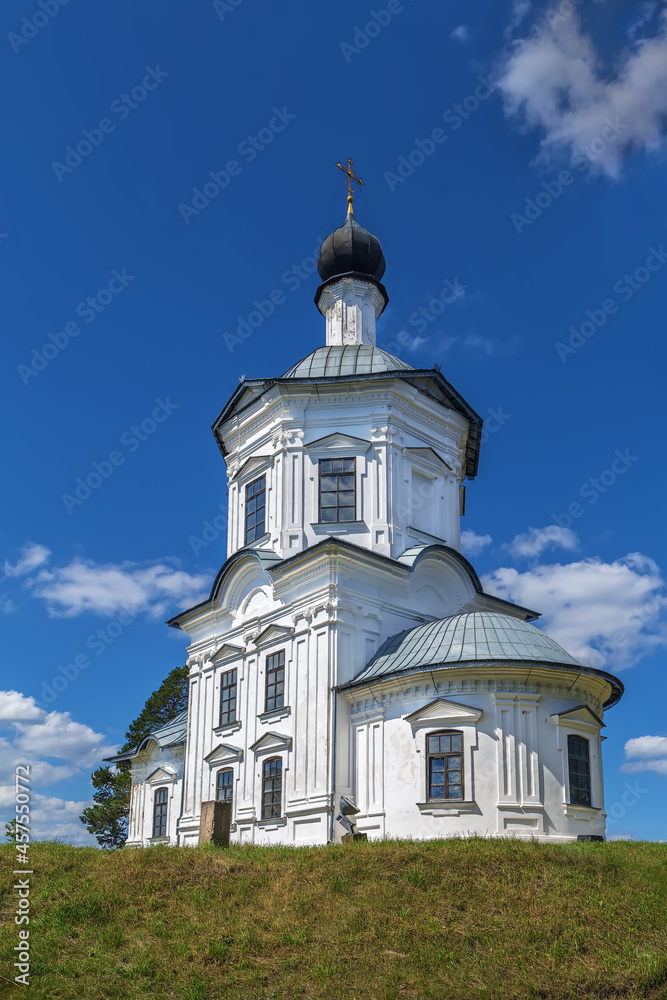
column 349, row 359
column 351, row 249
column 472, row 637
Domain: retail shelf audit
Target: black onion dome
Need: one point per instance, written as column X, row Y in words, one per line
column 351, row 249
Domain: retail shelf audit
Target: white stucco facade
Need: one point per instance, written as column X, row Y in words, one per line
column 373, row 622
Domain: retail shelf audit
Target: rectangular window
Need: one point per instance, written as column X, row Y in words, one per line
column 160, row 813
column 275, row 681
column 338, row 490
column 444, row 755
column 580, row 770
column 272, row 787
column 255, row 509
column 224, row 785
column 228, row 698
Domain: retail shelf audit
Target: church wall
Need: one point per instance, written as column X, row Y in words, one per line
column 515, row 766
column 155, row 769
column 395, row 486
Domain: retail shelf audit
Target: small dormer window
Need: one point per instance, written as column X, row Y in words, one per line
column 337, row 489
column 255, row 509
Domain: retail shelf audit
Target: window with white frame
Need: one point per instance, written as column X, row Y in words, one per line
column 160, row 812
column 444, row 765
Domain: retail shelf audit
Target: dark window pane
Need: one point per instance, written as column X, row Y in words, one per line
column 346, row 498
column 346, row 513
column 433, row 744
column 454, row 761
column 454, row 777
column 457, row 741
column 437, row 792
column 348, row 465
column 337, row 465
column 454, row 792
column 325, row 466
column 445, row 744
column 255, row 509
column 438, row 764
column 329, row 499
column 329, row 483
column 329, row 514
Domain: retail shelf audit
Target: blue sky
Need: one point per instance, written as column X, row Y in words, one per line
column 513, row 161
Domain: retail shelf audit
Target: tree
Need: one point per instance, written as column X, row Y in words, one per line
column 107, row 819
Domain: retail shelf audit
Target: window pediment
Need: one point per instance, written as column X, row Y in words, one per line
column 251, row 467
column 227, row 652
column 272, row 633
column 224, row 753
column 271, row 743
column 337, row 444
column 162, row 774
column 579, row 714
column 443, row 713
column 428, row 460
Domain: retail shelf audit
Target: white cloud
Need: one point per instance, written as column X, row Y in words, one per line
column 15, row 706
column 473, row 341
column 646, row 746
column 607, row 615
column 652, row 748
column 472, row 544
column 646, row 12
column 31, row 557
column 460, row 34
column 534, row 541
column 56, row 748
column 659, row 766
column 82, row 585
column 554, row 80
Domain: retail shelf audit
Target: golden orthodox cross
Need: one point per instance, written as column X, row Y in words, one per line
column 351, row 176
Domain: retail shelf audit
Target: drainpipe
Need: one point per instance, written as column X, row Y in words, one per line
column 333, row 767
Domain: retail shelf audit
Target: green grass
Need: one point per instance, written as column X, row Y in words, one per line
column 465, row 919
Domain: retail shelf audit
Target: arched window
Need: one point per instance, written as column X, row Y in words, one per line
column 160, row 812
column 272, row 788
column 224, row 785
column 444, row 765
column 579, row 770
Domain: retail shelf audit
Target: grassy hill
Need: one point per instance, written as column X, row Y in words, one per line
column 465, row 919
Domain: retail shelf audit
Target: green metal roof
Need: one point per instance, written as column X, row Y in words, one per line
column 472, row 638
column 469, row 637
column 350, row 359
column 171, row 734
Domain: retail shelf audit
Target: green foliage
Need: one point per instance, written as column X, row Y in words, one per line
column 10, row 830
column 170, row 698
column 107, row 819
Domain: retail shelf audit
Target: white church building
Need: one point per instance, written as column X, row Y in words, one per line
column 348, row 672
